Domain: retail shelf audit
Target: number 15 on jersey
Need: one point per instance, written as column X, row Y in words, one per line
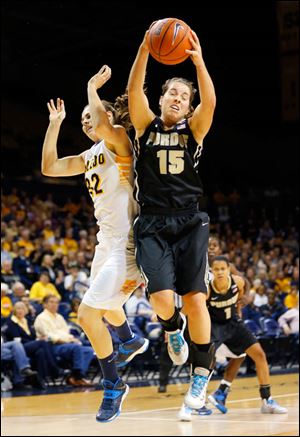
column 171, row 161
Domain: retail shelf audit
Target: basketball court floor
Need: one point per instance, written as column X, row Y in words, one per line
column 148, row 413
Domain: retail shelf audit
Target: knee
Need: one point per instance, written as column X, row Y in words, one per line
column 196, row 309
column 88, row 317
column 82, row 316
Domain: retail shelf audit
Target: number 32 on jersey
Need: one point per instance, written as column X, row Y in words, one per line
column 94, row 185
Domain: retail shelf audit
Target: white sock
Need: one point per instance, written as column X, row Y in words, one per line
column 225, row 382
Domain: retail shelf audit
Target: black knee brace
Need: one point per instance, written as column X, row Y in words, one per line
column 172, row 324
column 202, row 355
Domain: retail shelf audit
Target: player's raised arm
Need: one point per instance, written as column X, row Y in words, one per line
column 51, row 164
column 140, row 113
column 202, row 117
column 115, row 136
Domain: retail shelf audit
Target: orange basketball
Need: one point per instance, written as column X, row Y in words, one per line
column 168, row 39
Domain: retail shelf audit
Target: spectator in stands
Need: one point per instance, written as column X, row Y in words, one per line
column 292, row 299
column 22, row 371
column 82, row 263
column 5, row 254
column 60, row 285
column 42, row 288
column 76, row 283
column 260, row 297
column 7, row 274
column 47, row 266
column 274, row 308
column 289, row 321
column 52, row 325
column 69, row 241
column 39, row 351
column 6, row 303
column 73, row 315
column 31, row 310
column 18, row 291
column 48, row 233
column 23, row 267
column 283, row 283
column 26, row 242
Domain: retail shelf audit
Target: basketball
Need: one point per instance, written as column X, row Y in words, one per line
column 168, row 39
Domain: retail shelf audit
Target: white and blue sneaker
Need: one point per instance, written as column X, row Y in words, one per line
column 269, row 406
column 114, row 395
column 185, row 413
column 128, row 350
column 177, row 346
column 196, row 395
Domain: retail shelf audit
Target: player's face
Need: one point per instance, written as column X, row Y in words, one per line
column 175, row 103
column 213, row 247
column 220, row 270
column 86, row 122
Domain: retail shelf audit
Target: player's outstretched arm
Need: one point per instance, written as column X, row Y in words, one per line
column 202, row 117
column 51, row 165
column 115, row 137
column 140, row 113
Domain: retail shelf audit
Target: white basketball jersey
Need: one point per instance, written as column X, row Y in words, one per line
column 109, row 180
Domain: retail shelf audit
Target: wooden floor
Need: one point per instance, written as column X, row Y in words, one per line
column 147, row 413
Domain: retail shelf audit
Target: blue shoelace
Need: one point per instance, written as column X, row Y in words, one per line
column 176, row 342
column 198, row 384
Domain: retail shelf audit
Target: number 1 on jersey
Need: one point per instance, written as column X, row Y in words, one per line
column 227, row 312
column 171, row 161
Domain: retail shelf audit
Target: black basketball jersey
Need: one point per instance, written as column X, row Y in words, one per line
column 222, row 306
column 166, row 167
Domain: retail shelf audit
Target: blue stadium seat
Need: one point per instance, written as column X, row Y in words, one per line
column 253, row 327
column 64, row 309
column 271, row 327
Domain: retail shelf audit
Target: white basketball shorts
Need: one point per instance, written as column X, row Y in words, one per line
column 114, row 273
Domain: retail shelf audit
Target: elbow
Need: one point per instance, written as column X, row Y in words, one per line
column 46, row 171
column 212, row 102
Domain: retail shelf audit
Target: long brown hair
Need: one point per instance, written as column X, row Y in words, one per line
column 120, row 111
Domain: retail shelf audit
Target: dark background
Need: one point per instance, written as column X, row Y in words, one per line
column 52, row 48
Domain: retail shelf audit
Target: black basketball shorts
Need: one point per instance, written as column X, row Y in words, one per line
column 171, row 251
column 234, row 333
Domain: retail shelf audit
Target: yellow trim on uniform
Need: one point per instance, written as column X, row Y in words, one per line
column 124, row 159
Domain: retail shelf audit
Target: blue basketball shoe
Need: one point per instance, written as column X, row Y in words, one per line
column 129, row 349
column 218, row 399
column 114, row 395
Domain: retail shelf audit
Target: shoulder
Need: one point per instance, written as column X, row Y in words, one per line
column 156, row 123
column 240, row 282
column 88, row 153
